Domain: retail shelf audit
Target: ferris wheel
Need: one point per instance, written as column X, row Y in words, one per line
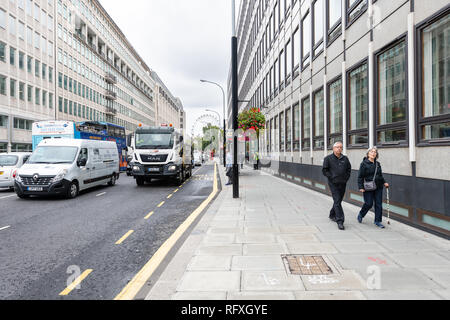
column 203, row 121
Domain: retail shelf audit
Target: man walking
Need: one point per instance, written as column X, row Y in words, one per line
column 337, row 168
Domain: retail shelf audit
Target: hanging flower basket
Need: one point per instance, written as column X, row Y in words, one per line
column 252, row 119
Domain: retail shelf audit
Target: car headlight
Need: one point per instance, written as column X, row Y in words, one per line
column 136, row 168
column 17, row 177
column 172, row 168
column 60, row 176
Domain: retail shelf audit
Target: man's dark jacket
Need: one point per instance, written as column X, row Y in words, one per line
column 338, row 171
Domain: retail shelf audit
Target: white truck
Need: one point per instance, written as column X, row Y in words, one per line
column 160, row 153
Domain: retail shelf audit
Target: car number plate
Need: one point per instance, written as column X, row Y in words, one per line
column 153, row 169
column 36, row 189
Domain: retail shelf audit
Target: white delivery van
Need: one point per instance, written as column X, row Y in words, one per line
column 67, row 166
column 9, row 163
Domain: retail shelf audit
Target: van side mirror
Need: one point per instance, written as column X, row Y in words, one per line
column 82, row 162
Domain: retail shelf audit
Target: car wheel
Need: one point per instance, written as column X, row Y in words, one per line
column 140, row 181
column 72, row 191
column 113, row 180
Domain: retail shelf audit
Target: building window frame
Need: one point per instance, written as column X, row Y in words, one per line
column 351, row 132
column 420, row 119
column 296, row 125
column 397, row 125
column 334, row 31
column 314, row 118
column 288, row 128
column 319, row 44
column 350, row 9
column 332, row 138
column 305, row 141
column 305, row 58
column 294, row 44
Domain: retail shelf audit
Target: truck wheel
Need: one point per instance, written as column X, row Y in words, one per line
column 140, row 181
column 72, row 191
column 113, row 180
column 180, row 178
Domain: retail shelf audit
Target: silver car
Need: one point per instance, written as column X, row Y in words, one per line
column 9, row 163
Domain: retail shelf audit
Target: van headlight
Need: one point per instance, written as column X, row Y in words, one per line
column 60, row 176
column 18, row 178
column 172, row 168
column 136, row 168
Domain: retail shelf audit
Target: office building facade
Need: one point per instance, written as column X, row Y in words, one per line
column 364, row 72
column 68, row 60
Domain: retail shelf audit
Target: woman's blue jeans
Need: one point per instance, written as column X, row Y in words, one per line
column 372, row 198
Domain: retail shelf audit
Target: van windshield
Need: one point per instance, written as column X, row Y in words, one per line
column 154, row 141
column 8, row 161
column 53, row 155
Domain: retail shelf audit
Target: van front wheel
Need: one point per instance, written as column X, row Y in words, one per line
column 113, row 180
column 72, row 191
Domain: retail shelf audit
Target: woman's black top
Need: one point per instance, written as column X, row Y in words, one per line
column 367, row 171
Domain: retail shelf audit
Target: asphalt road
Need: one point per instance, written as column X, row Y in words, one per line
column 45, row 243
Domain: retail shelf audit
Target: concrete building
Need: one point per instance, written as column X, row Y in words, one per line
column 362, row 72
column 68, row 60
column 168, row 108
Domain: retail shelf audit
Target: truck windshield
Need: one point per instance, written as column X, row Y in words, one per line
column 154, row 141
column 8, row 161
column 53, row 155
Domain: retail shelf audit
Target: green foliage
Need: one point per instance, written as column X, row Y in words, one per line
column 252, row 119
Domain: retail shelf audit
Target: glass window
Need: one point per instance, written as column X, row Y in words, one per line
column 354, row 9
column 2, row 18
column 2, row 85
column 12, row 88
column 21, row 60
column 288, row 60
column 318, row 26
column 30, row 94
column 306, row 125
column 22, row 91
column 358, row 106
column 2, row 52
column 12, row 56
column 37, row 99
column 288, row 130
column 12, row 25
column 282, row 132
column 319, row 120
column 334, row 12
column 435, row 113
column 306, row 40
column 296, row 51
column 392, row 94
column 335, row 112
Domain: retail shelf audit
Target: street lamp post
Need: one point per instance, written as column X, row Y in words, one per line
column 235, row 98
column 224, row 123
column 218, row 114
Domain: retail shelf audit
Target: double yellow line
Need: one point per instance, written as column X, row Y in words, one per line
column 135, row 285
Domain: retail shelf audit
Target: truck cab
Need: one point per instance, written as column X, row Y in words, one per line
column 160, row 153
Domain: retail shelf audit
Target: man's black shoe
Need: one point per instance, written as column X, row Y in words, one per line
column 341, row 226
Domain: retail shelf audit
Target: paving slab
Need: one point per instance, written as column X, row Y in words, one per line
column 217, row 230
column 364, row 260
column 311, row 248
column 263, row 263
column 297, row 229
column 438, row 275
column 260, row 296
column 381, row 235
column 265, row 249
column 339, row 236
column 444, row 294
column 422, row 259
column 255, row 238
column 300, row 237
column 329, row 295
column 215, row 296
column 263, row 230
column 228, row 250
column 359, row 247
column 210, row 281
column 401, row 295
column 407, row 246
column 346, row 280
column 402, row 279
column 207, row 263
column 270, row 281
column 226, row 238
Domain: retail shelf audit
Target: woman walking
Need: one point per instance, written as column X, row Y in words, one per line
column 371, row 183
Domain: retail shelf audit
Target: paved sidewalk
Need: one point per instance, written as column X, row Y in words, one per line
column 235, row 252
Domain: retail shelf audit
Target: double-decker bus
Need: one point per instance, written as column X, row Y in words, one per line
column 90, row 130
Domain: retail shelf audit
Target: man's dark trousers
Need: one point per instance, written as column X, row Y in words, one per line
column 338, row 193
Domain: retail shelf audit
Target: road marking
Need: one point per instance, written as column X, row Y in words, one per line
column 13, row 195
column 169, row 196
column 149, row 215
column 124, row 237
column 74, row 284
column 101, row 194
column 176, row 191
column 4, row 228
column 135, row 285
column 161, row 204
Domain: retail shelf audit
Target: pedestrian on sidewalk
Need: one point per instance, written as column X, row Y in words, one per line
column 229, row 168
column 256, row 161
column 241, row 159
column 371, row 183
column 337, row 168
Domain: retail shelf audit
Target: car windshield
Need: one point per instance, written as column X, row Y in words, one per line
column 53, row 155
column 8, row 161
column 154, row 141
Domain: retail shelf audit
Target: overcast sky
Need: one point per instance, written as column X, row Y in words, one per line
column 183, row 41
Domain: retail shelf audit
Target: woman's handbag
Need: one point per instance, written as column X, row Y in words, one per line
column 371, row 185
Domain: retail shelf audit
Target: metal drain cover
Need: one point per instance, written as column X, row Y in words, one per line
column 307, row 265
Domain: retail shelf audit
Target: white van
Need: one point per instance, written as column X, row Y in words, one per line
column 67, row 166
column 9, row 163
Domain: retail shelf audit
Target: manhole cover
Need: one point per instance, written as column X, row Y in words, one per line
column 307, row 265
